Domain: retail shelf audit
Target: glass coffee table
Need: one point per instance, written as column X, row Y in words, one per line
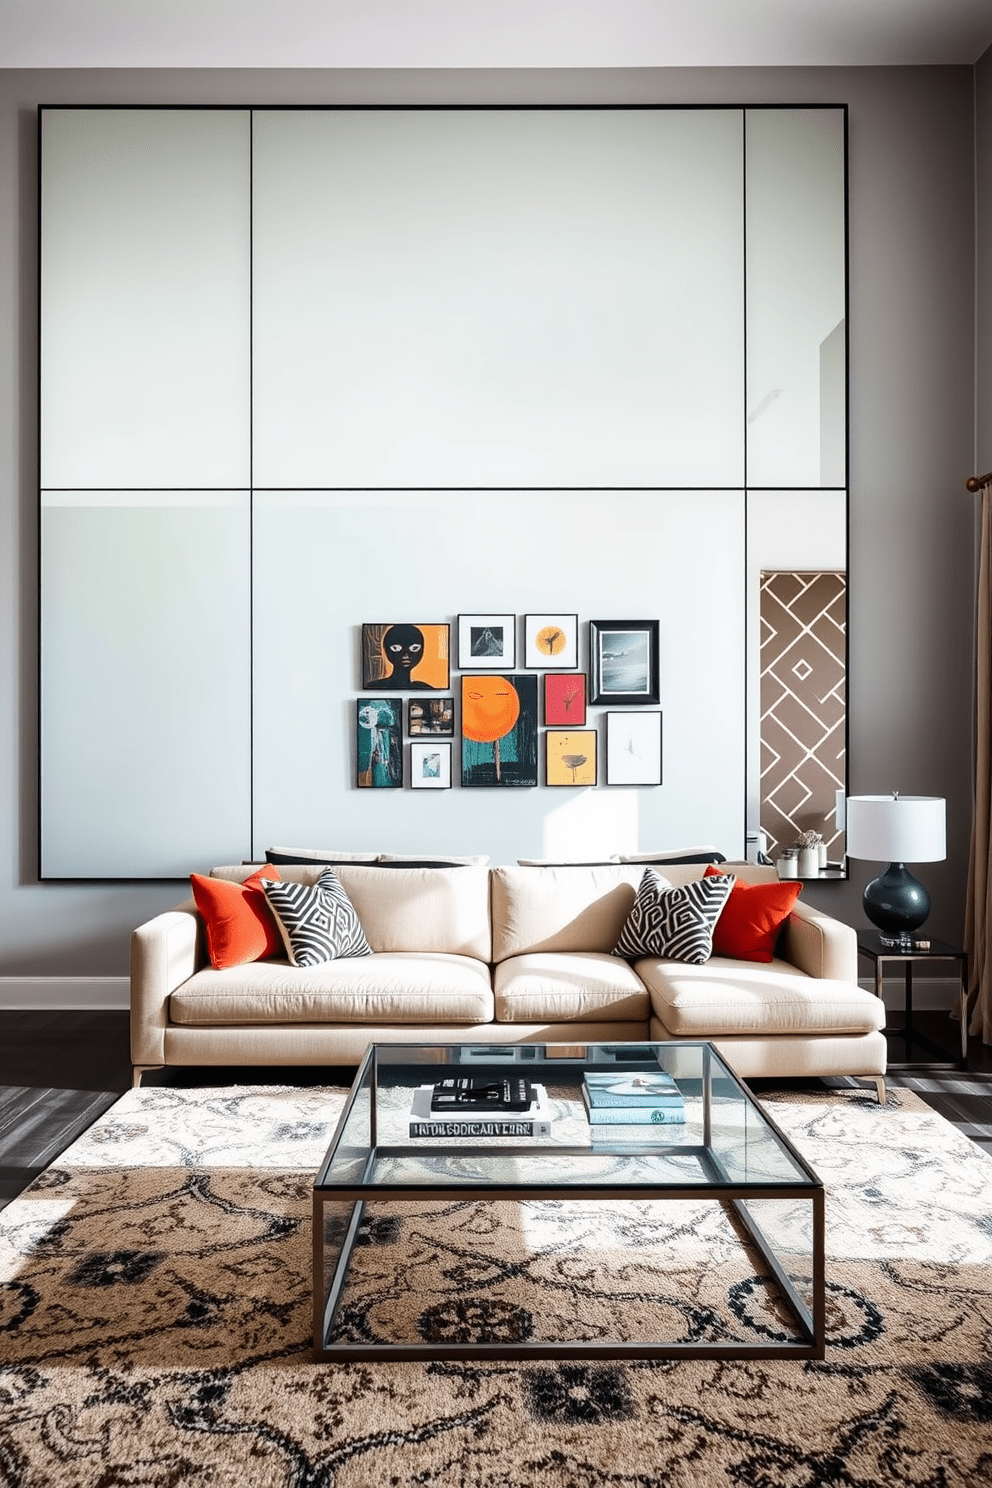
column 727, row 1150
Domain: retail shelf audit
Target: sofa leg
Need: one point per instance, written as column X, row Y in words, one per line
column 137, row 1070
column 880, row 1088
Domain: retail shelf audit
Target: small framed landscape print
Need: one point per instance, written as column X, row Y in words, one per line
column 487, row 641
column 623, row 661
column 430, row 715
column 430, row 766
column 570, row 756
column 633, row 748
column 406, row 657
column 565, row 699
column 551, row 640
column 380, row 740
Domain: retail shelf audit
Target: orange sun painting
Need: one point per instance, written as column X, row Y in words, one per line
column 499, row 717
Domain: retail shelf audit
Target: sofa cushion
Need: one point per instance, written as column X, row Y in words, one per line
column 318, row 921
column 674, row 922
column 739, row 997
column 433, row 910
column 377, row 989
column 558, row 986
column 560, row 909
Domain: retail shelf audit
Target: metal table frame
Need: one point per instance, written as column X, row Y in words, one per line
column 327, row 1294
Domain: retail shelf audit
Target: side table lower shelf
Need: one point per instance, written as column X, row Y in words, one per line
column 870, row 946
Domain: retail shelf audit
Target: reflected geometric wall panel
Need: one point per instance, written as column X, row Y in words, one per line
column 803, row 705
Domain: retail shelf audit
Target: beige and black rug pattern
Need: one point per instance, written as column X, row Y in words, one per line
column 155, row 1318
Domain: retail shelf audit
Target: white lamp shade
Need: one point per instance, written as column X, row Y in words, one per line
column 897, row 829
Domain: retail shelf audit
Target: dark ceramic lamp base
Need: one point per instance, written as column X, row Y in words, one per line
column 898, row 904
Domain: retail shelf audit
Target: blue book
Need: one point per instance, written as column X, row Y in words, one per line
column 656, row 1088
column 656, row 1115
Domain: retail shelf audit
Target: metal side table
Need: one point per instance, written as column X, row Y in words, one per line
column 870, row 946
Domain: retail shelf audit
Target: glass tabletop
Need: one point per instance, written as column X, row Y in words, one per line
column 715, row 1135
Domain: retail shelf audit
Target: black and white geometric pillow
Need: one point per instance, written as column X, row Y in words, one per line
column 318, row 921
column 670, row 922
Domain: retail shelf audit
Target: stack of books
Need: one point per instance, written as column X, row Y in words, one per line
column 637, row 1103
column 479, row 1118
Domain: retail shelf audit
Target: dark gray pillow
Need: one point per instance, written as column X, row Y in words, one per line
column 319, row 855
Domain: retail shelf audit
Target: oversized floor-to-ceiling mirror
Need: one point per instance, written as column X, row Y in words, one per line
column 307, row 368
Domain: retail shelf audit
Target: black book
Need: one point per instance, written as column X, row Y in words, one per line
column 475, row 1094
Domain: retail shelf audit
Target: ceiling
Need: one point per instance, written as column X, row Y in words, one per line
column 491, row 33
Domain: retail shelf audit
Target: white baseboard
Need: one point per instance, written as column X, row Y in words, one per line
column 929, row 993
column 24, row 993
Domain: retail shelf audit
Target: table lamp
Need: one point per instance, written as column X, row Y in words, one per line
column 899, row 829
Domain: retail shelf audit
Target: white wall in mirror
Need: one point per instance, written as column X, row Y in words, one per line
column 145, row 682
column 502, row 297
column 796, row 335
column 145, row 330
column 325, row 562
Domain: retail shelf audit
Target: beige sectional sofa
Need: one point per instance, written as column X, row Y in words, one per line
column 476, row 955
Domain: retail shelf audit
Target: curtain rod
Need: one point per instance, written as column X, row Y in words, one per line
column 978, row 482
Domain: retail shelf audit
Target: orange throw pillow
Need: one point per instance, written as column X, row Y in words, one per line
column 751, row 919
column 240, row 925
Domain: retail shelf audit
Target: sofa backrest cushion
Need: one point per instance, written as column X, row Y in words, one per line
column 560, row 909
column 439, row 911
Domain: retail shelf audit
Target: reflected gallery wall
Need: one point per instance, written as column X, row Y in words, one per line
column 306, row 374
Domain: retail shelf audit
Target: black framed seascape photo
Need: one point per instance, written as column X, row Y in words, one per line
column 430, row 715
column 487, row 641
column 623, row 661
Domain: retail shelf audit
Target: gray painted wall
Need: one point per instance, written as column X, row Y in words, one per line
column 912, row 293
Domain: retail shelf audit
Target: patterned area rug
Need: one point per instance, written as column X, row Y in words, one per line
column 155, row 1318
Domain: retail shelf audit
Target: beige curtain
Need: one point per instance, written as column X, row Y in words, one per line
column 978, row 911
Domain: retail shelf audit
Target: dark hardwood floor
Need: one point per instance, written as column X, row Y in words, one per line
column 60, row 1070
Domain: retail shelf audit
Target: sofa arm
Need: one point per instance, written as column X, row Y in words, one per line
column 165, row 953
column 819, row 945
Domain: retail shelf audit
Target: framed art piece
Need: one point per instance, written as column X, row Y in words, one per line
column 565, row 699
column 499, row 730
column 406, row 657
column 430, row 766
column 571, row 756
column 380, row 743
column 633, row 748
column 487, row 641
column 551, row 640
column 430, row 715
column 623, row 661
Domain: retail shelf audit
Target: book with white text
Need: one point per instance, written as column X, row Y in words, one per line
column 534, row 1122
